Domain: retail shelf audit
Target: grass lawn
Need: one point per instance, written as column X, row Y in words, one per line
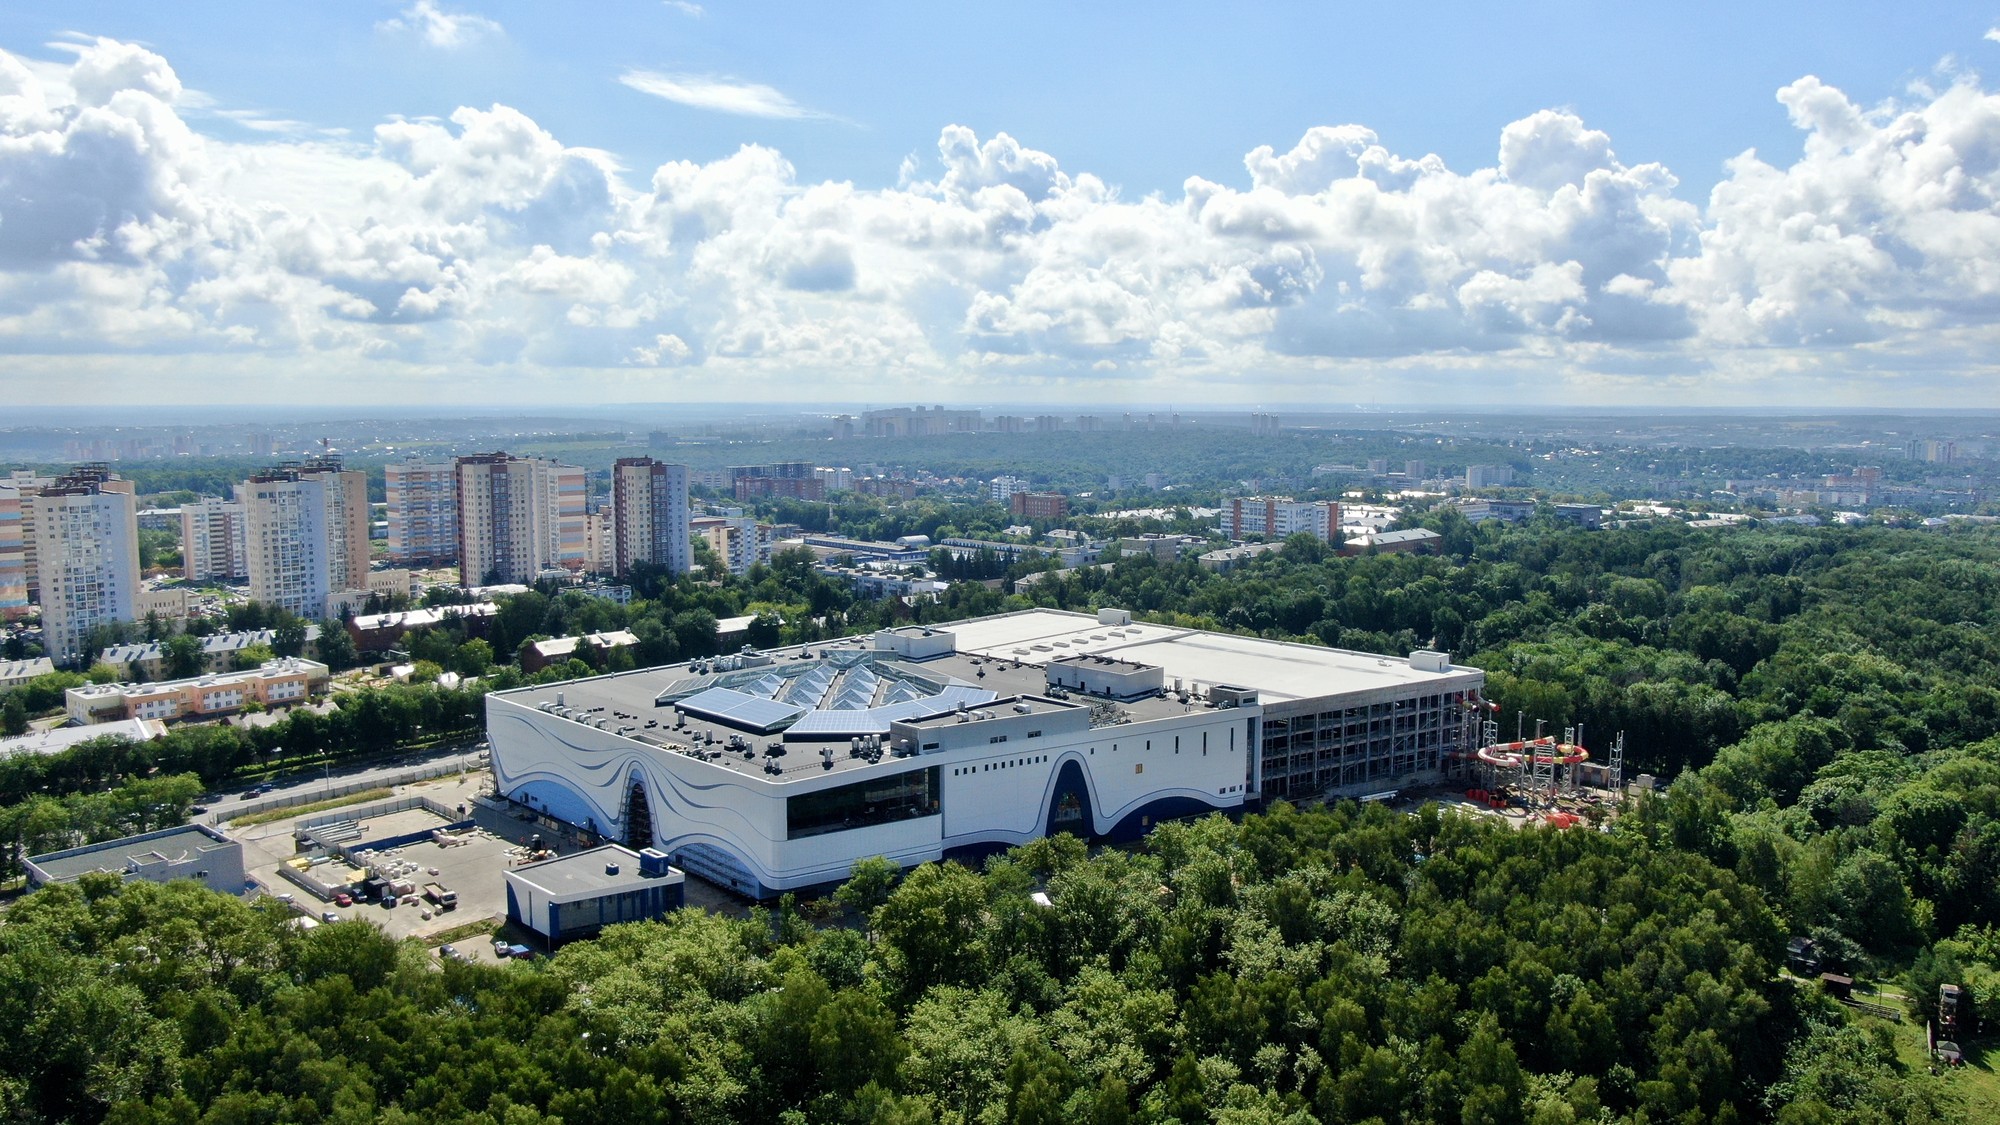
column 1975, row 1081
column 460, row 933
column 291, row 811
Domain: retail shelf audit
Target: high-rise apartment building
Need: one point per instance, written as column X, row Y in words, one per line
column 306, row 531
column 517, row 516
column 215, row 540
column 649, row 507
column 1488, row 476
column 26, row 485
column 13, row 555
column 87, row 547
column 1278, row 517
column 423, row 512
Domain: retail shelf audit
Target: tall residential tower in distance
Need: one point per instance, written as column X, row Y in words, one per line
column 423, row 512
column 13, row 554
column 517, row 517
column 215, row 540
column 306, row 526
column 649, row 505
column 87, row 550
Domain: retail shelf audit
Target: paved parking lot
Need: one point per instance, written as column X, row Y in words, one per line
column 473, row 869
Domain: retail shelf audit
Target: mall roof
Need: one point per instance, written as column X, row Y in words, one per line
column 1279, row 670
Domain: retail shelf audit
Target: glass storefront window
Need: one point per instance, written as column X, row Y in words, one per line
column 878, row 800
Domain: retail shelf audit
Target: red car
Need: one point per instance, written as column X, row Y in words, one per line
column 343, row 899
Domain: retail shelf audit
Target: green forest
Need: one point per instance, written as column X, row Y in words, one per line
column 1330, row 965
column 1825, row 703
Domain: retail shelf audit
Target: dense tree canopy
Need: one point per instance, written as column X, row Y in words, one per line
column 1342, row 965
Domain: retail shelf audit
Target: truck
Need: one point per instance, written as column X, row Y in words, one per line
column 444, row 897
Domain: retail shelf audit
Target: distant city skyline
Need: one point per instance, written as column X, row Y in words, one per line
column 441, row 205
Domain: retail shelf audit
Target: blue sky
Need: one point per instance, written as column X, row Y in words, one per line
column 1166, row 202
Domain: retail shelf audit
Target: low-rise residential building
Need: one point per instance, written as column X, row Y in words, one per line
column 1229, row 558
column 557, row 650
column 288, row 679
column 872, row 582
column 377, row 632
column 1392, row 542
column 147, row 660
column 14, row 673
column 1277, row 517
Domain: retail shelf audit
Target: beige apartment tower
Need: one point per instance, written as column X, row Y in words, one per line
column 649, row 504
column 306, row 530
column 518, row 517
column 423, row 512
column 87, row 551
column 215, row 543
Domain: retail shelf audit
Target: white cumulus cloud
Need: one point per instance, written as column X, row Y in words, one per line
column 135, row 246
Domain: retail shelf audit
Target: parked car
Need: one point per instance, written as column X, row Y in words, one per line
column 448, row 952
column 328, row 916
column 343, row 899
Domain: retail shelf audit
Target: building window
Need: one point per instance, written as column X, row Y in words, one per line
column 997, row 738
column 883, row 800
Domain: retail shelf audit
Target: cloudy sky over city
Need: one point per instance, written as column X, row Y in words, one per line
column 436, row 201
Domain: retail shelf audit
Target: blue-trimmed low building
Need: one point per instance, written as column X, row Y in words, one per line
column 772, row 771
column 576, row 896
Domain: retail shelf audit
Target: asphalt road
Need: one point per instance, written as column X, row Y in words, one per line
column 306, row 788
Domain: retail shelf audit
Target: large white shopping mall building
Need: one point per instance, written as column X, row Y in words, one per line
column 768, row 771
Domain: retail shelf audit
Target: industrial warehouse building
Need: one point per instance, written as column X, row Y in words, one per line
column 189, row 851
column 575, row 896
column 771, row 771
